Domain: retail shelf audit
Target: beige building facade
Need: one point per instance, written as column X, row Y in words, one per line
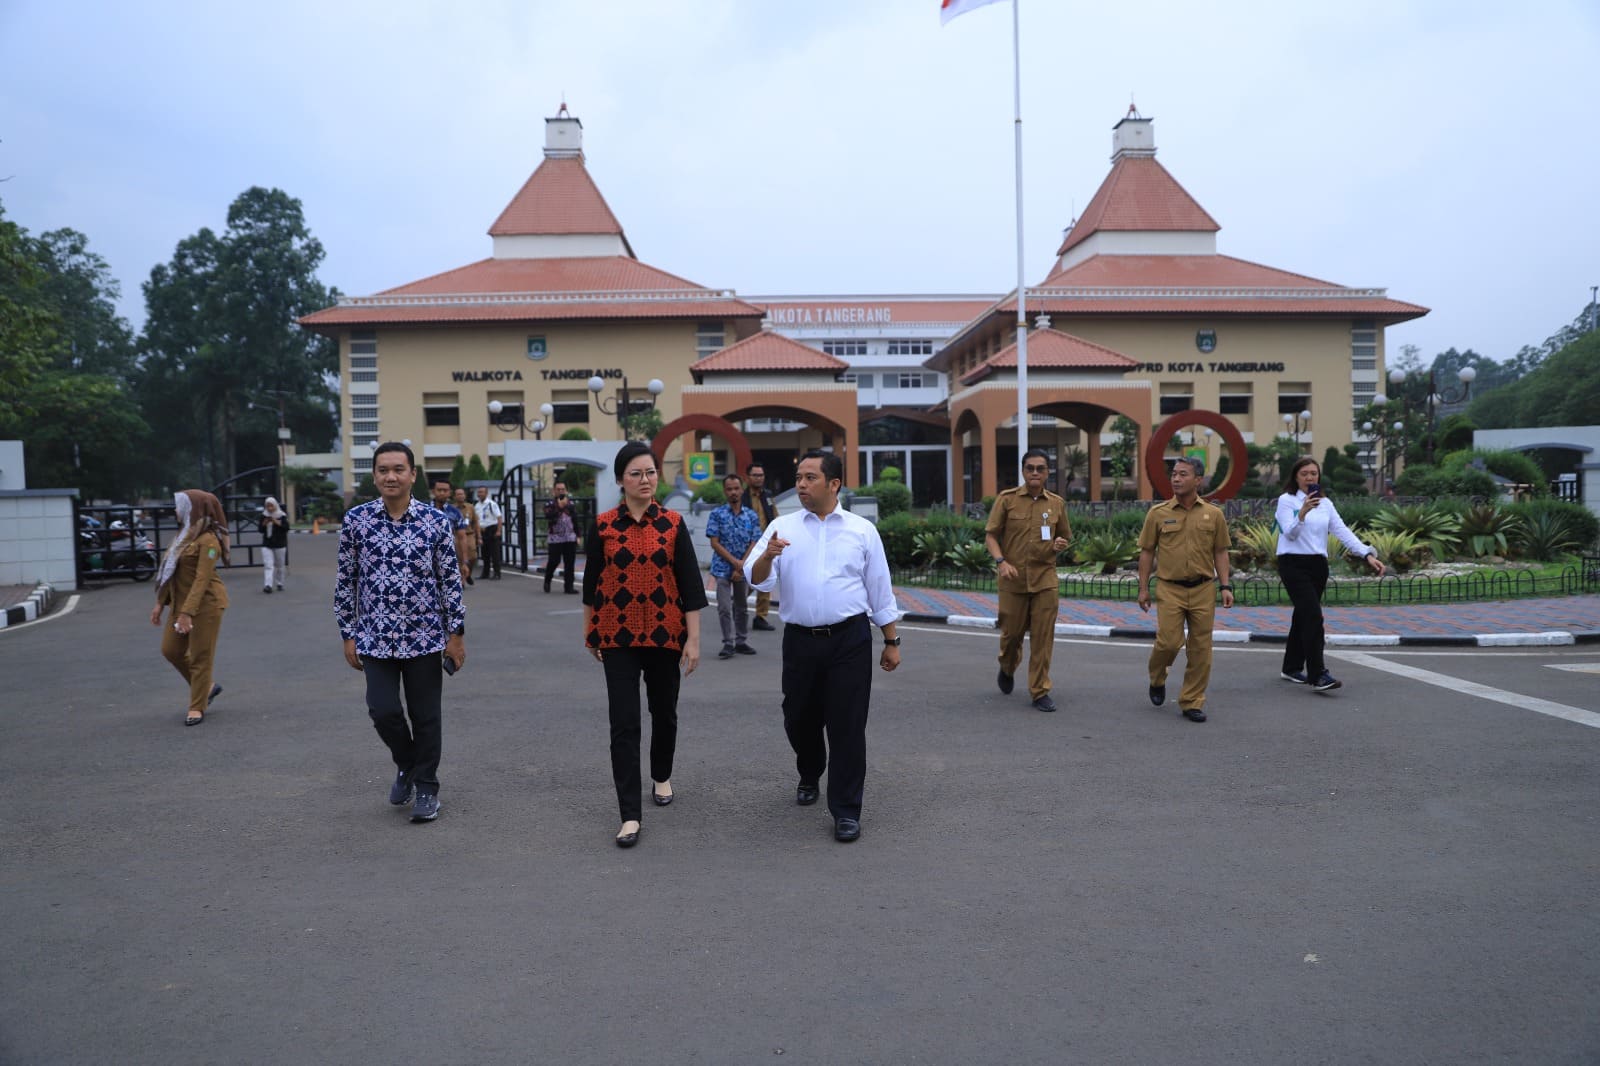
column 1139, row 316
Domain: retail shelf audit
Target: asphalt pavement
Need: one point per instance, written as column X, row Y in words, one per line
column 1400, row 872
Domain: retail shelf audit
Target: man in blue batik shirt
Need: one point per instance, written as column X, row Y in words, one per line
column 398, row 601
column 731, row 529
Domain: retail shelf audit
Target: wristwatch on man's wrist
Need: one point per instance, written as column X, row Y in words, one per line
column 1225, row 587
column 891, row 642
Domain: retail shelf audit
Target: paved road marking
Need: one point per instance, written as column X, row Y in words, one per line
column 72, row 602
column 1577, row 668
column 1472, row 688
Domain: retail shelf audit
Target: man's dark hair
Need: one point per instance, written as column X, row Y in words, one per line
column 629, row 452
column 733, row 477
column 1036, row 453
column 1198, row 466
column 751, row 468
column 832, row 465
column 394, row 446
column 439, row 479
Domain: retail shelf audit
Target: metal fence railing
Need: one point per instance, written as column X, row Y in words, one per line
column 1261, row 590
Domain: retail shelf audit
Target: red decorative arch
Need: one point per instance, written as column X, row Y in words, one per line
column 1155, row 465
column 721, row 427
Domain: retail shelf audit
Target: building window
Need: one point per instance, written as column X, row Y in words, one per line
column 364, row 343
column 1234, row 405
column 571, row 406
column 1176, row 396
column 509, row 412
column 363, row 362
column 361, row 466
column 1361, row 393
column 363, row 375
column 861, row 381
column 441, row 409
column 845, row 349
column 364, row 427
column 907, row 347
column 1369, row 362
column 709, row 337
column 1293, row 397
column 910, row 379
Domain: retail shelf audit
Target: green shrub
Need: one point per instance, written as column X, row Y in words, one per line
column 1360, row 512
column 1108, row 549
column 710, row 492
column 889, row 473
column 897, row 533
column 1545, row 535
column 1488, row 529
column 1255, row 545
column 1400, row 550
column 1419, row 479
column 1433, row 525
column 1584, row 523
column 892, row 496
column 971, row 556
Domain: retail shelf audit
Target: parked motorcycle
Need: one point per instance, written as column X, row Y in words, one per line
column 116, row 549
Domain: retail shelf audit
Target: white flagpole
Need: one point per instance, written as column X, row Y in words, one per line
column 1022, row 313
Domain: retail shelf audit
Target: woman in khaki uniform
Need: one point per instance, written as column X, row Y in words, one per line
column 191, row 586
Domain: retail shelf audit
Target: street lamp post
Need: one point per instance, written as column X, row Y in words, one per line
column 1435, row 399
column 623, row 405
column 505, row 420
column 1294, row 424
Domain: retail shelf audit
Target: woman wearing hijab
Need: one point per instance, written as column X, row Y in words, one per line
column 642, row 590
column 190, row 585
column 274, row 544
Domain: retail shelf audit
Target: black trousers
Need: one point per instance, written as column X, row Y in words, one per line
column 827, row 685
column 1304, row 577
column 567, row 554
column 491, row 550
column 659, row 669
column 416, row 747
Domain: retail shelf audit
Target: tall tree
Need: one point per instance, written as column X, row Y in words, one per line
column 221, row 339
column 28, row 331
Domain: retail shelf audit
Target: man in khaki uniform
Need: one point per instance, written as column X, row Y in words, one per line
column 1186, row 539
column 1027, row 529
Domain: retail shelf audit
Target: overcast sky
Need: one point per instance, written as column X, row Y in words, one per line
column 1443, row 150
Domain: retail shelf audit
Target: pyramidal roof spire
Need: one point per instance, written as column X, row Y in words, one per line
column 559, row 212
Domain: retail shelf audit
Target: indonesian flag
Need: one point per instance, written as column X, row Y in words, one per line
column 949, row 9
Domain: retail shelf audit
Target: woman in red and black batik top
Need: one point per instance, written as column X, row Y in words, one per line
column 642, row 590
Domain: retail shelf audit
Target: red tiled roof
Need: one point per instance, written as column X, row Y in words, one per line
column 768, row 350
column 531, row 290
column 1139, row 195
column 558, row 197
column 1050, row 349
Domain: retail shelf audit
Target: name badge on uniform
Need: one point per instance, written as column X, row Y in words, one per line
column 1044, row 530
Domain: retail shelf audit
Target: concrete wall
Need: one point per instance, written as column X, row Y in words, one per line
column 37, row 541
column 1583, row 439
column 13, row 475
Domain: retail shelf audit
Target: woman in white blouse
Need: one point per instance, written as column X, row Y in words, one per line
column 1305, row 518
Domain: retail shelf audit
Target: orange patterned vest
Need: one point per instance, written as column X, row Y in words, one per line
column 636, row 602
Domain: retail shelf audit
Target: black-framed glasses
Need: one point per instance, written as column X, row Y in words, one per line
column 1031, row 469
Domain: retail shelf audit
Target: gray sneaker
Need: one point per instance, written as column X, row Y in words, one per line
column 426, row 809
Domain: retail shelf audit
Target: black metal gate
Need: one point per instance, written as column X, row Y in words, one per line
column 522, row 544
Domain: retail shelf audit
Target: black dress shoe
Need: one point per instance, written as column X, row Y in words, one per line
column 763, row 624
column 1195, row 714
column 1158, row 694
column 846, row 829
column 1044, row 703
column 628, row 840
column 216, row 690
column 1006, row 682
column 805, row 795
column 660, row 800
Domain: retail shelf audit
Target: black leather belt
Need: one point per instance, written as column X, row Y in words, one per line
column 1187, row 582
column 828, row 630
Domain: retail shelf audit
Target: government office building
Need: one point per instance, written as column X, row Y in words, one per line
column 1139, row 316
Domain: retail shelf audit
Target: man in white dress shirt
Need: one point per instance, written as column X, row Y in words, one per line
column 832, row 579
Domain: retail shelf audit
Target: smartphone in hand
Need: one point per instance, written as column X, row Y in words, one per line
column 1314, row 489
column 449, row 663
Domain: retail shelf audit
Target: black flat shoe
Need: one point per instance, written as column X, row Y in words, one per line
column 846, row 830
column 805, row 795
column 216, row 690
column 194, row 721
column 1158, row 694
column 628, row 840
column 660, row 800
column 1006, row 682
column 1195, row 714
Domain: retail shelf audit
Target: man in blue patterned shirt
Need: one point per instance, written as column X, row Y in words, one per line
column 731, row 529
column 398, row 600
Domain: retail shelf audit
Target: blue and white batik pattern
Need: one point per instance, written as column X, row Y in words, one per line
column 399, row 589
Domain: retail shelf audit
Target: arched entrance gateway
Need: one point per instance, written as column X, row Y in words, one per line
column 792, row 390
column 1070, row 379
